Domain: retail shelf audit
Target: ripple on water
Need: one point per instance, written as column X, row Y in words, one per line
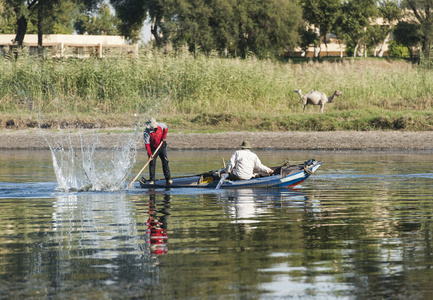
column 359, row 228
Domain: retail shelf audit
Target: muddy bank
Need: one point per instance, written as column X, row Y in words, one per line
column 334, row 140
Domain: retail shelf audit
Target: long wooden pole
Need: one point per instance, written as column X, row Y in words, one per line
column 223, row 177
column 142, row 169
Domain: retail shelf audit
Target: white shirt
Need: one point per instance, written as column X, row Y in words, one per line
column 244, row 163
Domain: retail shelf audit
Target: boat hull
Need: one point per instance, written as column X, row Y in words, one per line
column 275, row 181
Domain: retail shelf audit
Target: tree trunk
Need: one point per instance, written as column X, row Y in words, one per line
column 355, row 51
column 40, row 30
column 317, row 50
column 225, row 52
column 326, row 44
column 426, row 47
column 410, row 51
column 154, row 31
column 21, row 30
column 40, row 26
column 382, row 47
column 243, row 44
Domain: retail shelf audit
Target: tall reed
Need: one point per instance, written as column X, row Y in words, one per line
column 181, row 84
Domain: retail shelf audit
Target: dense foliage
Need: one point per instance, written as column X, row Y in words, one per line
column 232, row 27
column 104, row 23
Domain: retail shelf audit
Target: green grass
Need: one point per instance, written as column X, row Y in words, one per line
column 211, row 94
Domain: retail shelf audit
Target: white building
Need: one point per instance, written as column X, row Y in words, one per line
column 66, row 45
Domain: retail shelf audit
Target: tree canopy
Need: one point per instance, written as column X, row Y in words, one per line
column 322, row 14
column 422, row 10
column 103, row 23
column 44, row 16
column 231, row 27
column 354, row 20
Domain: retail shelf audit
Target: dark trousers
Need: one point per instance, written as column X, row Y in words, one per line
column 233, row 177
column 162, row 153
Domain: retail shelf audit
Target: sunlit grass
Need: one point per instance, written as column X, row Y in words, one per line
column 211, row 93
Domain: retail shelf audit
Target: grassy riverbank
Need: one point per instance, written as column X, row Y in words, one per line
column 212, row 94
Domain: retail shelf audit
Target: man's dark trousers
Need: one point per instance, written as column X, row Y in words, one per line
column 162, row 153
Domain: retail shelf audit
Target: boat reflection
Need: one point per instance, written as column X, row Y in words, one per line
column 248, row 206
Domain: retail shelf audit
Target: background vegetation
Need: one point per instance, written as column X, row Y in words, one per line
column 210, row 93
column 235, row 28
column 222, row 65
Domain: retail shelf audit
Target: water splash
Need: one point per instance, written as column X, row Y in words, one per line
column 81, row 165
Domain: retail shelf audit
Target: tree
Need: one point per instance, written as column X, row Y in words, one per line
column 267, row 28
column 354, row 20
column 23, row 10
column 308, row 38
column 396, row 49
column 7, row 18
column 158, row 11
column 422, row 10
column 193, row 25
column 103, row 23
column 375, row 35
column 56, row 18
column 390, row 12
column 205, row 25
column 53, row 17
column 322, row 14
column 409, row 35
column 132, row 14
column 61, row 18
column 42, row 11
column 222, row 23
column 263, row 27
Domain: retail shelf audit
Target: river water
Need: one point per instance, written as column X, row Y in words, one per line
column 361, row 227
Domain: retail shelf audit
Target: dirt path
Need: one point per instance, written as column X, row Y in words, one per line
column 335, row 140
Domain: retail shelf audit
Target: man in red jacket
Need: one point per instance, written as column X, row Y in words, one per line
column 154, row 134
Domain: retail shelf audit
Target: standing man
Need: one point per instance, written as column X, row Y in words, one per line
column 244, row 163
column 154, row 134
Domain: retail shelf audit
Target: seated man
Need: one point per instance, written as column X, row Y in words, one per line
column 244, row 163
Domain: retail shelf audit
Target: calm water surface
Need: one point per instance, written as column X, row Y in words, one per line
column 360, row 228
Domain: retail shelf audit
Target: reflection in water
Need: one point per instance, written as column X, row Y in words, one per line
column 361, row 228
column 157, row 225
column 104, row 222
column 243, row 208
column 98, row 236
column 250, row 205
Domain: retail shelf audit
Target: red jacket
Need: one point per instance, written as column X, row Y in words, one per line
column 152, row 138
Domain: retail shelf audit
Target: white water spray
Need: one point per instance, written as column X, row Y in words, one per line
column 80, row 165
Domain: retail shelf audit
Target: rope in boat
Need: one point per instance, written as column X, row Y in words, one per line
column 309, row 172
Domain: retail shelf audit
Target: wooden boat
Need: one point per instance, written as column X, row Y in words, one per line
column 284, row 176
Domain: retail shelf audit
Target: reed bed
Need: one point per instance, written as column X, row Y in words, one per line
column 212, row 93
